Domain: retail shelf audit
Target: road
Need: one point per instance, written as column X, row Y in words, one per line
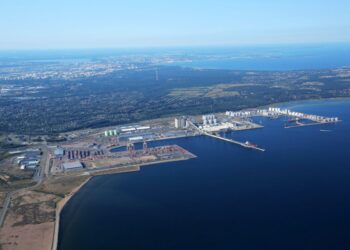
column 39, row 176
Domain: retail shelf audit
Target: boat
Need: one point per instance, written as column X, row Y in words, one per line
column 247, row 143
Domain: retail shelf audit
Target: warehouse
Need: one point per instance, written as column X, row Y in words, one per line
column 72, row 165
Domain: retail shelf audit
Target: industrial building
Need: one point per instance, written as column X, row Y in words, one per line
column 276, row 112
column 181, row 122
column 72, row 165
column 315, row 118
column 110, row 133
column 59, row 152
column 29, row 160
column 136, row 139
column 209, row 120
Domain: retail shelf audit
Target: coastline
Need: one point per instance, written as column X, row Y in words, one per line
column 210, row 175
column 65, row 200
column 59, row 206
column 304, row 100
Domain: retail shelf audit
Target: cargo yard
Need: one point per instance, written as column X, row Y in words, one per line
column 92, row 160
column 118, row 147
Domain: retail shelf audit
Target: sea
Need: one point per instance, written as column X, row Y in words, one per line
column 269, row 57
column 295, row 195
column 249, row 57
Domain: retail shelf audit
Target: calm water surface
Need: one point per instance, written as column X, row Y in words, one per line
column 293, row 196
column 273, row 58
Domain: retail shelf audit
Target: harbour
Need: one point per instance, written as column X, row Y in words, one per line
column 244, row 196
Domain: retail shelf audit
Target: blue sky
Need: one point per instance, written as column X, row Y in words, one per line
column 32, row 24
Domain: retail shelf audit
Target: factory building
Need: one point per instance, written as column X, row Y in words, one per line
column 136, row 139
column 59, row 152
column 72, row 165
column 142, row 128
column 239, row 113
column 136, row 128
column 30, row 160
column 31, row 166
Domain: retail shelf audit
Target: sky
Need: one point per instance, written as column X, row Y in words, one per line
column 55, row 24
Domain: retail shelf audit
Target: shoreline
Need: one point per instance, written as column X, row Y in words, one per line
column 59, row 207
column 304, row 100
column 61, row 204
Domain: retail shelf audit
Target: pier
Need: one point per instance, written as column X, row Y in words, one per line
column 242, row 144
column 235, row 142
column 299, row 124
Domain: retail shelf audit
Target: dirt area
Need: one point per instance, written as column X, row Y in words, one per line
column 215, row 91
column 12, row 177
column 61, row 185
column 147, row 158
column 30, row 236
column 120, row 161
column 2, row 198
column 119, row 170
column 30, row 222
column 33, row 216
column 110, row 162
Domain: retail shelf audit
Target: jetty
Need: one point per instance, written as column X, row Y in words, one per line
column 245, row 145
column 300, row 124
column 242, row 144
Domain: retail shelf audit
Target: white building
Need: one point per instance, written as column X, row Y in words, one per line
column 177, row 123
column 181, row 122
column 209, row 120
column 72, row 165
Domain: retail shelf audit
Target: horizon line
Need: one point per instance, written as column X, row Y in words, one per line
column 141, row 47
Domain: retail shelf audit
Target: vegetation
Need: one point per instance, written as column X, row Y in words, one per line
column 132, row 95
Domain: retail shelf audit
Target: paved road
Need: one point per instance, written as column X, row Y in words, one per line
column 39, row 176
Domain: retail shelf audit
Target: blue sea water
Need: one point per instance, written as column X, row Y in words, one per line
column 293, row 196
column 271, row 58
column 263, row 57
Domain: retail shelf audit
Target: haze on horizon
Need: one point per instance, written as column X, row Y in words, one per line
column 58, row 24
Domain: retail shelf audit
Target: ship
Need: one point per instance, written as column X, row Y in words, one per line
column 248, row 144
